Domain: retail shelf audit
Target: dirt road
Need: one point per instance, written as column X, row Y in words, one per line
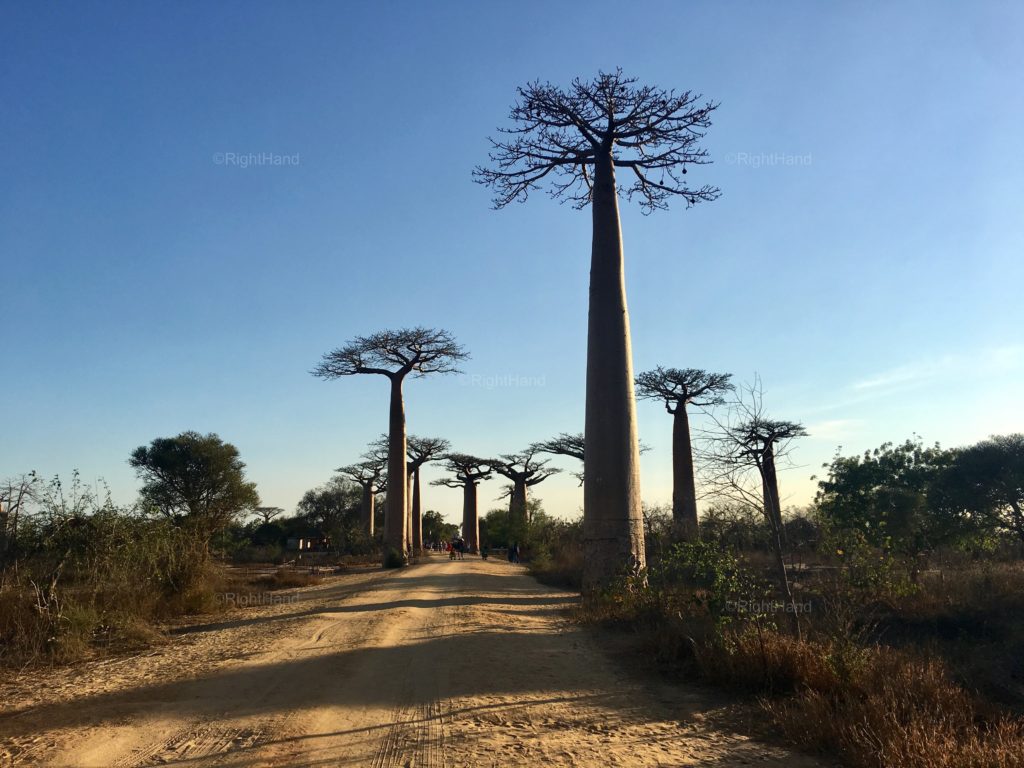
column 442, row 664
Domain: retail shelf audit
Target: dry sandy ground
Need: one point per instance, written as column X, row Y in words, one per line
column 442, row 664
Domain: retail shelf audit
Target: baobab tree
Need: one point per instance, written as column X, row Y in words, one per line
column 574, row 139
column 420, row 450
column 468, row 472
column 525, row 471
column 677, row 389
column 369, row 474
column 395, row 354
column 266, row 514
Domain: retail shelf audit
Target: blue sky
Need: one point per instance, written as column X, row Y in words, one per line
column 864, row 258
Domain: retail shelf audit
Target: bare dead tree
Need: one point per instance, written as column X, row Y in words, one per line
column 469, row 471
column 525, row 471
column 420, row 450
column 412, row 352
column 573, row 139
column 677, row 389
column 741, row 458
column 15, row 494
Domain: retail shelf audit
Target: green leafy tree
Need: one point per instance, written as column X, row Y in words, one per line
column 888, row 495
column 334, row 510
column 984, row 483
column 435, row 529
column 195, row 480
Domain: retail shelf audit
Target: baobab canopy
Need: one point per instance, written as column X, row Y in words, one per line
column 559, row 134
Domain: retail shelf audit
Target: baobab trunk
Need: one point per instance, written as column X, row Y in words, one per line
column 684, row 489
column 612, row 519
column 517, row 506
column 394, row 521
column 470, row 520
column 366, row 510
column 417, row 517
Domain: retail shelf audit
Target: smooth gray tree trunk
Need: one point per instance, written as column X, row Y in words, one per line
column 517, row 505
column 684, row 489
column 394, row 519
column 366, row 509
column 612, row 519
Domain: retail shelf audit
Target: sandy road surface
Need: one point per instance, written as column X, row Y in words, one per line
column 443, row 664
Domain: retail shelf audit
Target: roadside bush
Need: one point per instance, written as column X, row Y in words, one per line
column 94, row 575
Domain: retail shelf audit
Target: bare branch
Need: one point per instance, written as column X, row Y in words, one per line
column 557, row 132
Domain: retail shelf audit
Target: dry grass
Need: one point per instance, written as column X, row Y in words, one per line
column 285, row 578
column 908, row 703
column 881, row 708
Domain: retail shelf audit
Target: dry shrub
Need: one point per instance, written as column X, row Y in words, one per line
column 560, row 567
column 875, row 707
column 869, row 705
column 97, row 582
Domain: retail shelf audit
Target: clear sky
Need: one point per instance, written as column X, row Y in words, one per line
column 865, row 258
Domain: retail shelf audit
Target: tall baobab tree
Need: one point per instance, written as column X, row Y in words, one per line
column 525, row 471
column 677, row 389
column 468, row 472
column 574, row 139
column 395, row 354
column 420, row 450
column 369, row 474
